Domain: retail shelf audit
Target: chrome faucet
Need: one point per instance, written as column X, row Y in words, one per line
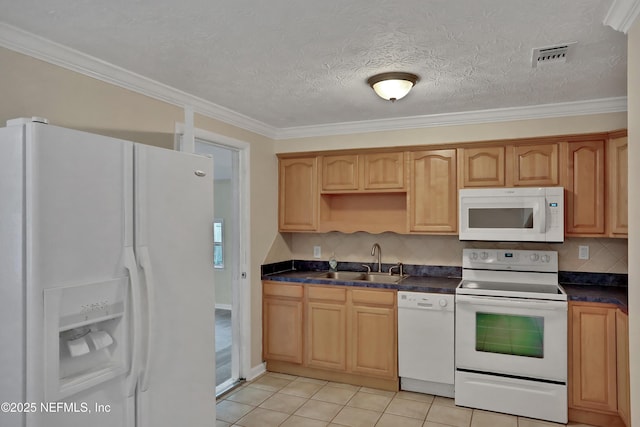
column 399, row 266
column 373, row 253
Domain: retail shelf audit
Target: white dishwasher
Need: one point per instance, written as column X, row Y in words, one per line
column 426, row 342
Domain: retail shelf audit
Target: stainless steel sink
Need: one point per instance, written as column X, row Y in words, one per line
column 349, row 276
column 381, row 278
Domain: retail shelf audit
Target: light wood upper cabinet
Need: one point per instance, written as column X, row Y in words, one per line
column 363, row 172
column 383, row 171
column 433, row 193
column 533, row 165
column 340, row 173
column 585, row 207
column 298, row 196
column 416, row 190
column 482, row 167
column 282, row 322
column 326, row 328
column 617, row 187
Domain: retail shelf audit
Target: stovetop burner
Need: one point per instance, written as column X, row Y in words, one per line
column 512, row 287
column 511, row 273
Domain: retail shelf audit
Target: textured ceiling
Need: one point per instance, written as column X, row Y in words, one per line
column 290, row 63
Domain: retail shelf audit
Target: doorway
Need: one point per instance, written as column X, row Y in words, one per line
column 227, row 259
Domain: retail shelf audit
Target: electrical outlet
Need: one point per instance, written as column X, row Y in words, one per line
column 583, row 252
column 317, row 252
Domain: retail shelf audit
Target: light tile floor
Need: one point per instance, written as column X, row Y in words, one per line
column 288, row 401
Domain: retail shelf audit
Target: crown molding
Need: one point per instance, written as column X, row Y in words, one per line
column 46, row 50
column 565, row 109
column 29, row 44
column 622, row 14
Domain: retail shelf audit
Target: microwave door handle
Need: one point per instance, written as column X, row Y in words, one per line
column 540, row 211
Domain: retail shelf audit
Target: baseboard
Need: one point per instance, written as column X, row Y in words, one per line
column 223, row 306
column 256, row 371
column 595, row 418
column 335, row 376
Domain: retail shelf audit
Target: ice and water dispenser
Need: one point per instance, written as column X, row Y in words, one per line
column 86, row 336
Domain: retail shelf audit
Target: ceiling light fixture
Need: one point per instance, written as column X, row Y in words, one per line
column 392, row 86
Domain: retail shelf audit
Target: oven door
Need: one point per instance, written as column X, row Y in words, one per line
column 503, row 218
column 512, row 336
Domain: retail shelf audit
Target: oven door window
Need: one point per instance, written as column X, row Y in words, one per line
column 510, row 334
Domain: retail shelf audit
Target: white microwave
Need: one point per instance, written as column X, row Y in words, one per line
column 524, row 214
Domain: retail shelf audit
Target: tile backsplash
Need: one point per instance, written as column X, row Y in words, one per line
column 605, row 255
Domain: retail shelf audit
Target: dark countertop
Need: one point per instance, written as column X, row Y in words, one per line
column 616, row 295
column 445, row 285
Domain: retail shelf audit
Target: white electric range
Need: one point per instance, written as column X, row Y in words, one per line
column 511, row 334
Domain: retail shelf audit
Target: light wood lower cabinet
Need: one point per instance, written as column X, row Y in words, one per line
column 326, row 328
column 374, row 333
column 282, row 322
column 622, row 355
column 345, row 335
column 598, row 378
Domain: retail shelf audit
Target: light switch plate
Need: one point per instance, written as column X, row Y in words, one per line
column 583, row 252
column 317, row 252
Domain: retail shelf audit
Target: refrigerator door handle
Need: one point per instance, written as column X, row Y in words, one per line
column 132, row 267
column 145, row 263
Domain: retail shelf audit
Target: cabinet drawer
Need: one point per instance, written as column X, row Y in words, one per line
column 280, row 290
column 373, row 297
column 327, row 294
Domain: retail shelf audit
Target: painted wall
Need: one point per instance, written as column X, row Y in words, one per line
column 606, row 255
column 31, row 87
column 633, row 89
column 462, row 133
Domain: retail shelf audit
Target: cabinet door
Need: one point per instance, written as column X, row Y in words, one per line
column 298, row 194
column 340, row 173
column 326, row 328
column 282, row 322
column 534, row 165
column 622, row 353
column 433, row 194
column 617, row 187
column 373, row 338
column 482, row 167
column 592, row 369
column 383, row 171
column 585, row 188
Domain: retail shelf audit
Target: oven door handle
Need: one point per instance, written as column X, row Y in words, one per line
column 511, row 302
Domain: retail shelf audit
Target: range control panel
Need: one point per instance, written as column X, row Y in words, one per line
column 510, row 259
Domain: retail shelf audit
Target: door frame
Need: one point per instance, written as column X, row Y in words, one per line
column 241, row 289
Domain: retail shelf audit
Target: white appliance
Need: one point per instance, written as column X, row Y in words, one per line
column 511, row 334
column 512, row 214
column 106, row 297
column 426, row 342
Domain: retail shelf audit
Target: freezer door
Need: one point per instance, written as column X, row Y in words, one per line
column 77, row 195
column 12, row 327
column 174, row 247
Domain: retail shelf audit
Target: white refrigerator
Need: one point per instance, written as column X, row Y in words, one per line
column 106, row 282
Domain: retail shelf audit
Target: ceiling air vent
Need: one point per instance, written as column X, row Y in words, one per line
column 551, row 54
